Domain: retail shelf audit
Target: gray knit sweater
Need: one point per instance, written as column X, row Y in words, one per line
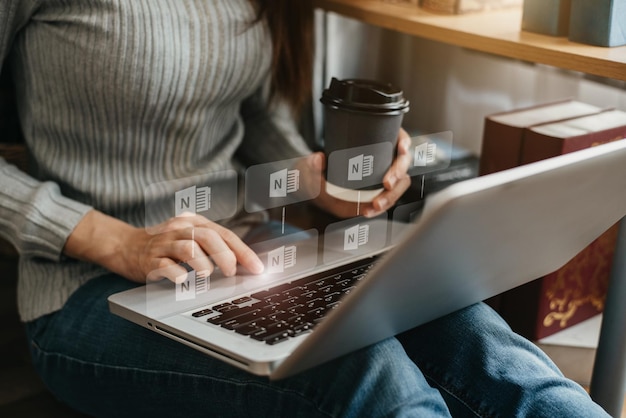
column 116, row 95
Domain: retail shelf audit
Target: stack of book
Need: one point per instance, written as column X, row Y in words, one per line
column 576, row 291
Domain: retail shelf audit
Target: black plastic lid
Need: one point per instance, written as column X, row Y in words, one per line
column 365, row 96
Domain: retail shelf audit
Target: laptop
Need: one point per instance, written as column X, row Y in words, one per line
column 473, row 240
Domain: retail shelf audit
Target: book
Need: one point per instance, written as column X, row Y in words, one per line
column 566, row 297
column 576, row 291
column 467, row 6
column 556, row 138
column 503, row 133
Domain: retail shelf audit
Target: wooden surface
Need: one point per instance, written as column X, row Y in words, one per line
column 497, row 32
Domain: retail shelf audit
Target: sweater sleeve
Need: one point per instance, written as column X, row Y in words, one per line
column 34, row 216
column 271, row 133
column 14, row 14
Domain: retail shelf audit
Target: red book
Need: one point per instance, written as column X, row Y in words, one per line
column 576, row 291
column 561, row 137
column 503, row 133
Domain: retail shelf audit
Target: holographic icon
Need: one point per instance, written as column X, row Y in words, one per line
column 281, row 258
column 355, row 237
column 284, row 182
column 195, row 283
column 424, row 154
column 193, row 199
column 360, row 166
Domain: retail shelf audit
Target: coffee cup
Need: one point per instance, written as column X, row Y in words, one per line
column 362, row 119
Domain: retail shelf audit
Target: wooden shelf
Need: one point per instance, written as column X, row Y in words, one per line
column 497, row 32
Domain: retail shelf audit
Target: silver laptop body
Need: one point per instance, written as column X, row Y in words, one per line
column 473, row 240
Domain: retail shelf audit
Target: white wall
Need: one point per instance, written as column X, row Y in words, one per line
column 450, row 88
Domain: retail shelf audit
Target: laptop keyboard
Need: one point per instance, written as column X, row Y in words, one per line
column 288, row 309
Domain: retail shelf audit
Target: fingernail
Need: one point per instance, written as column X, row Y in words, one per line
column 392, row 180
column 382, row 203
column 181, row 279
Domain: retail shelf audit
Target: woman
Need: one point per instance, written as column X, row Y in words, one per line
column 115, row 96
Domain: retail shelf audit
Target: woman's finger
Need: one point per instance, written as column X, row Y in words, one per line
column 168, row 269
column 212, row 243
column 400, row 165
column 387, row 198
column 244, row 254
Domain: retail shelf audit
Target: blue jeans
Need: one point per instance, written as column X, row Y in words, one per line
column 466, row 364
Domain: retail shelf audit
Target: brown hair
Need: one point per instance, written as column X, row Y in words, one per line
column 291, row 25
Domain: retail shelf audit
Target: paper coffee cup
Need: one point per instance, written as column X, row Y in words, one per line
column 361, row 125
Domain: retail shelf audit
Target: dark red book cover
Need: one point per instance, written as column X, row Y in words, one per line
column 566, row 297
column 576, row 291
column 503, row 133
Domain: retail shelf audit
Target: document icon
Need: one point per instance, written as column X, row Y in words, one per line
column 284, row 182
column 281, row 258
column 193, row 199
column 360, row 166
column 424, row 154
column 196, row 283
column 355, row 236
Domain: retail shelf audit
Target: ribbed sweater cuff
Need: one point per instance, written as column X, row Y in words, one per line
column 36, row 218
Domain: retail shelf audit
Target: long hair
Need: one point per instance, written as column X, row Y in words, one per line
column 291, row 26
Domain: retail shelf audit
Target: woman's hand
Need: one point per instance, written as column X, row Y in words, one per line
column 395, row 182
column 140, row 256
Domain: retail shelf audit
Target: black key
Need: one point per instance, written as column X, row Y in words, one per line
column 263, row 323
column 278, row 332
column 281, row 316
column 242, row 300
column 327, row 289
column 302, row 328
column 315, row 304
column 332, row 298
column 348, row 290
column 270, row 309
column 223, row 307
column 263, row 294
column 278, row 338
column 306, row 281
column 269, row 329
column 316, row 315
column 260, row 334
column 344, row 283
column 288, row 305
column 240, row 321
column 232, row 314
column 203, row 312
column 247, row 329
column 295, row 292
column 306, row 297
column 277, row 298
column 323, row 282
